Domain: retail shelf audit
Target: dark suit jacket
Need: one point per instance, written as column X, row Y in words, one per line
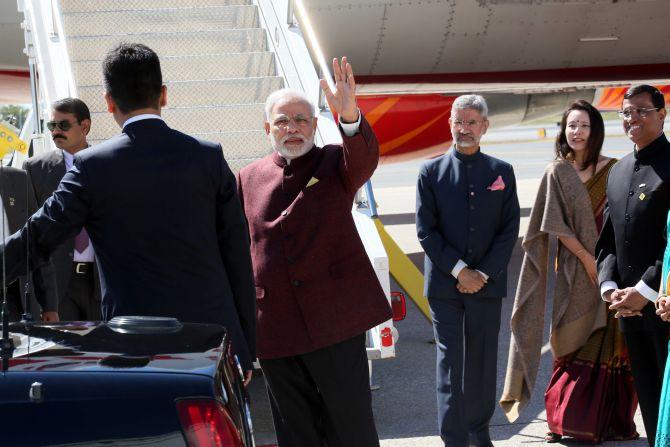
column 457, row 217
column 45, row 172
column 315, row 285
column 165, row 221
column 19, row 204
column 632, row 241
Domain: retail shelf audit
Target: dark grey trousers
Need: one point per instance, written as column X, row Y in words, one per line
column 322, row 398
column 466, row 336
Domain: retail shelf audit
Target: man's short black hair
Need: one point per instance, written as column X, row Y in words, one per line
column 133, row 79
column 657, row 98
column 75, row 106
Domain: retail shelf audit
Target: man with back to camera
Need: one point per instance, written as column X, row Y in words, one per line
column 161, row 209
column 467, row 221
column 316, row 290
column 630, row 249
column 77, row 278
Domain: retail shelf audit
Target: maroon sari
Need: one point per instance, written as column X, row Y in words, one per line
column 591, row 395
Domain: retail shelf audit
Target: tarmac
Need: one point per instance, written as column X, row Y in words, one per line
column 405, row 404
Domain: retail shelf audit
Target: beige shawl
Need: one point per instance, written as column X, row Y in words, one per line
column 562, row 208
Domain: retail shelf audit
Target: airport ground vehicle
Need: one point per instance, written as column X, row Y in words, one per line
column 128, row 382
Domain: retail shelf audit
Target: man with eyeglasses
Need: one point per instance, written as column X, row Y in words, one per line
column 630, row 249
column 467, row 221
column 78, row 283
column 316, row 290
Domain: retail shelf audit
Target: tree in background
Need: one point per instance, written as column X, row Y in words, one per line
column 14, row 115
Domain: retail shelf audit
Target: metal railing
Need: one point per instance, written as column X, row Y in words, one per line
column 299, row 58
column 47, row 56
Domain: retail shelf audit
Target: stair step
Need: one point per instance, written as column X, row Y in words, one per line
column 125, row 5
column 193, row 20
column 199, row 93
column 239, row 117
column 87, row 48
column 191, row 68
column 239, row 148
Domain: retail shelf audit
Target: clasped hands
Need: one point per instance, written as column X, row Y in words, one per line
column 470, row 281
column 663, row 307
column 626, row 302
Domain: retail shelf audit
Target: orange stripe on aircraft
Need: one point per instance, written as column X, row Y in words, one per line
column 375, row 114
column 399, row 141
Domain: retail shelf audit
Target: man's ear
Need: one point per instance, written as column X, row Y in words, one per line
column 111, row 105
column 662, row 112
column 314, row 121
column 163, row 99
column 266, row 126
column 86, row 126
column 486, row 125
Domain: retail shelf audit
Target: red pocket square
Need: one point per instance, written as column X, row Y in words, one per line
column 498, row 185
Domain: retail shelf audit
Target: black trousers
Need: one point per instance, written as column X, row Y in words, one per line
column 322, row 398
column 466, row 336
column 648, row 352
column 79, row 302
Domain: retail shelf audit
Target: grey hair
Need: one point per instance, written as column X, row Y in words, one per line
column 475, row 102
column 286, row 93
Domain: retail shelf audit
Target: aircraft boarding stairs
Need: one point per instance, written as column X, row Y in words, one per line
column 214, row 58
column 220, row 60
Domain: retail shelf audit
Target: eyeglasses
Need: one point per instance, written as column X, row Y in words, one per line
column 64, row 125
column 626, row 114
column 299, row 120
column 464, row 124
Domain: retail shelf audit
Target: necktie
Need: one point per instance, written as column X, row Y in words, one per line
column 81, row 241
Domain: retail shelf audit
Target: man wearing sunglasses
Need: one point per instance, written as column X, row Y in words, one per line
column 630, row 249
column 77, row 279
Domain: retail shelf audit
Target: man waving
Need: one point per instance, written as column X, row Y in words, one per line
column 316, row 291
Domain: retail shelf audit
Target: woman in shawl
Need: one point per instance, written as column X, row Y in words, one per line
column 590, row 395
column 663, row 310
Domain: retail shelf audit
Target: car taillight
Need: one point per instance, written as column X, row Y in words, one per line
column 398, row 306
column 207, row 423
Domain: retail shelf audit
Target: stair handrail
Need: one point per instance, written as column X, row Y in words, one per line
column 299, row 58
column 51, row 71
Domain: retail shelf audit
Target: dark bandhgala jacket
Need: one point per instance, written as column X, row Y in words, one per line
column 166, row 224
column 462, row 215
column 315, row 285
column 632, row 240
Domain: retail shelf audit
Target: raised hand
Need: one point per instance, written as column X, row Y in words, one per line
column 343, row 101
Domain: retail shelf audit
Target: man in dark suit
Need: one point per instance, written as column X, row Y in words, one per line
column 17, row 206
column 630, row 249
column 467, row 221
column 77, row 279
column 316, row 290
column 161, row 209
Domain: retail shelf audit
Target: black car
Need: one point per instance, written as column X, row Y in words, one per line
column 134, row 381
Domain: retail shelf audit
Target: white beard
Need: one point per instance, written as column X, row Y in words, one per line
column 466, row 143
column 290, row 154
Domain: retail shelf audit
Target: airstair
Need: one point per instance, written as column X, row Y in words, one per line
column 220, row 60
column 214, row 58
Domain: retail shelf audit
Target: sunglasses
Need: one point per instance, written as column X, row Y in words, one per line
column 64, row 125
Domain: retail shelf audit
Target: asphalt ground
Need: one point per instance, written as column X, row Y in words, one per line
column 405, row 403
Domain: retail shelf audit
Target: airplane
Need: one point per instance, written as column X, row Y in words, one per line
column 529, row 59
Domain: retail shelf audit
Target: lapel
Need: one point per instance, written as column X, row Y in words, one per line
column 56, row 170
